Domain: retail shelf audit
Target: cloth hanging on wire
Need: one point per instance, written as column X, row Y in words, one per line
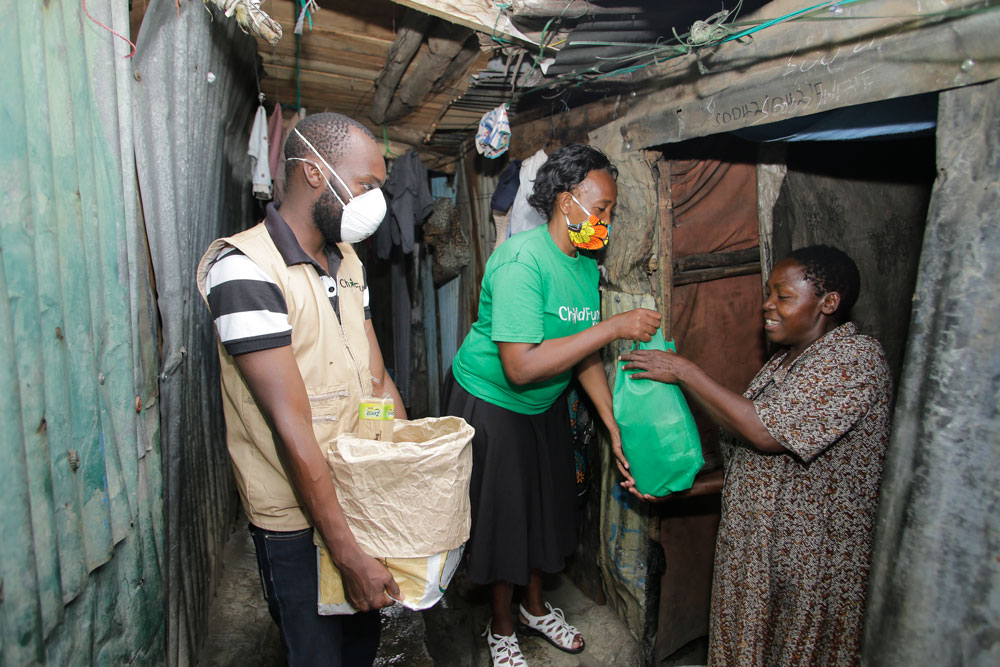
column 258, row 152
column 274, row 130
column 507, row 186
column 522, row 216
column 410, row 202
column 401, row 314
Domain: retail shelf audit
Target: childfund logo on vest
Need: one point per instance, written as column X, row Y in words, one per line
column 577, row 314
column 350, row 282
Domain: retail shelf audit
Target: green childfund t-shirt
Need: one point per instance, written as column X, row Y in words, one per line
column 532, row 291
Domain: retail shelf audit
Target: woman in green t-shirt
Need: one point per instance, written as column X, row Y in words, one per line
column 539, row 322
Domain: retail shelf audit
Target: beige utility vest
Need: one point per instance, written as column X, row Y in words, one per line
column 332, row 356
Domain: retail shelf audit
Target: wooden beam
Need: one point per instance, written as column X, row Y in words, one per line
column 797, row 69
column 482, row 17
column 372, row 52
column 711, row 260
column 568, row 9
column 566, row 127
column 319, row 67
column 409, row 37
column 358, row 20
column 461, row 84
column 665, row 264
column 445, row 42
column 705, row 275
column 330, row 83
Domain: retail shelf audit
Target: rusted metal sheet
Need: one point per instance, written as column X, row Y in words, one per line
column 82, row 540
column 194, row 94
column 892, row 50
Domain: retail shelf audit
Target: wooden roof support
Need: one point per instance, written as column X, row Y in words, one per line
column 796, row 69
column 445, row 43
column 482, row 16
column 408, row 40
column 571, row 9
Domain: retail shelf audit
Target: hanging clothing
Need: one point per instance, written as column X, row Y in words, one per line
column 522, row 215
column 401, row 324
column 259, row 152
column 507, row 186
column 274, row 129
column 502, row 200
column 410, row 202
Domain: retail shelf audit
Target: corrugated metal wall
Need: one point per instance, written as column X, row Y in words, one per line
column 195, row 94
column 81, row 548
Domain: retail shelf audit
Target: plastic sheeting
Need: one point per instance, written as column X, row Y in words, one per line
column 194, row 99
column 906, row 116
column 934, row 595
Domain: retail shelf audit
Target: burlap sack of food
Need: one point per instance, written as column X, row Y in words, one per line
column 407, row 503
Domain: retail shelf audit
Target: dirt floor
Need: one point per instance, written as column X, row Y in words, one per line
column 449, row 635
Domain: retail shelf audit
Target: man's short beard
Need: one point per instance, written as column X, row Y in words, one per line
column 326, row 214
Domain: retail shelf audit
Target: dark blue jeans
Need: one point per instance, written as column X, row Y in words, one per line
column 287, row 565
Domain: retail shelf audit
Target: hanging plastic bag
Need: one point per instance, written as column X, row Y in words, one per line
column 659, row 435
column 493, row 136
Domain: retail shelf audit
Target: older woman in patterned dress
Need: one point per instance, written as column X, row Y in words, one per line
column 803, row 452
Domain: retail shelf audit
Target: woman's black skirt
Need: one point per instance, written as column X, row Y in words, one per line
column 523, row 488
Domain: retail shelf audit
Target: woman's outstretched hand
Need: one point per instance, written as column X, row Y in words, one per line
column 623, row 466
column 655, row 365
column 616, row 449
column 638, row 324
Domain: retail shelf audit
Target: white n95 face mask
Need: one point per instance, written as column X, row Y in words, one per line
column 363, row 214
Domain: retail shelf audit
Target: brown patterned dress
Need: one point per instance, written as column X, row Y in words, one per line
column 795, row 542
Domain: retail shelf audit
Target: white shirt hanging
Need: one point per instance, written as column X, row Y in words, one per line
column 258, row 152
column 522, row 216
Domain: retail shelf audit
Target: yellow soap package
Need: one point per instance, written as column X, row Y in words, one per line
column 376, row 416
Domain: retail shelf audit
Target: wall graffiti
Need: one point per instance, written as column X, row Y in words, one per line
column 796, row 100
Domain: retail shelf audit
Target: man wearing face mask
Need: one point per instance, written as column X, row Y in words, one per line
column 298, row 352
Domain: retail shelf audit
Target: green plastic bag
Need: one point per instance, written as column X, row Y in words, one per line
column 659, row 435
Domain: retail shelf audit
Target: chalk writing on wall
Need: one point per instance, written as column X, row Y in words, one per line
column 797, row 99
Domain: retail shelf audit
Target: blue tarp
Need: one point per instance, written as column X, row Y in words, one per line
column 902, row 117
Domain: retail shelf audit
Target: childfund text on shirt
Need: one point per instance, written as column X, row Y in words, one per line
column 578, row 314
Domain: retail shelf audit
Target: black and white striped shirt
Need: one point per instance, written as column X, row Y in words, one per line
column 248, row 307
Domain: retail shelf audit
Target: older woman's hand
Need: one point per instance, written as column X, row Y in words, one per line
column 656, row 365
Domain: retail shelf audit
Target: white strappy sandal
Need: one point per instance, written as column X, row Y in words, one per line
column 552, row 627
column 504, row 649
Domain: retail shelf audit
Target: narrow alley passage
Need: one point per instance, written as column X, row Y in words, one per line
column 449, row 635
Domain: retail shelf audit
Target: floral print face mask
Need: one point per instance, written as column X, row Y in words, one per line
column 591, row 234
